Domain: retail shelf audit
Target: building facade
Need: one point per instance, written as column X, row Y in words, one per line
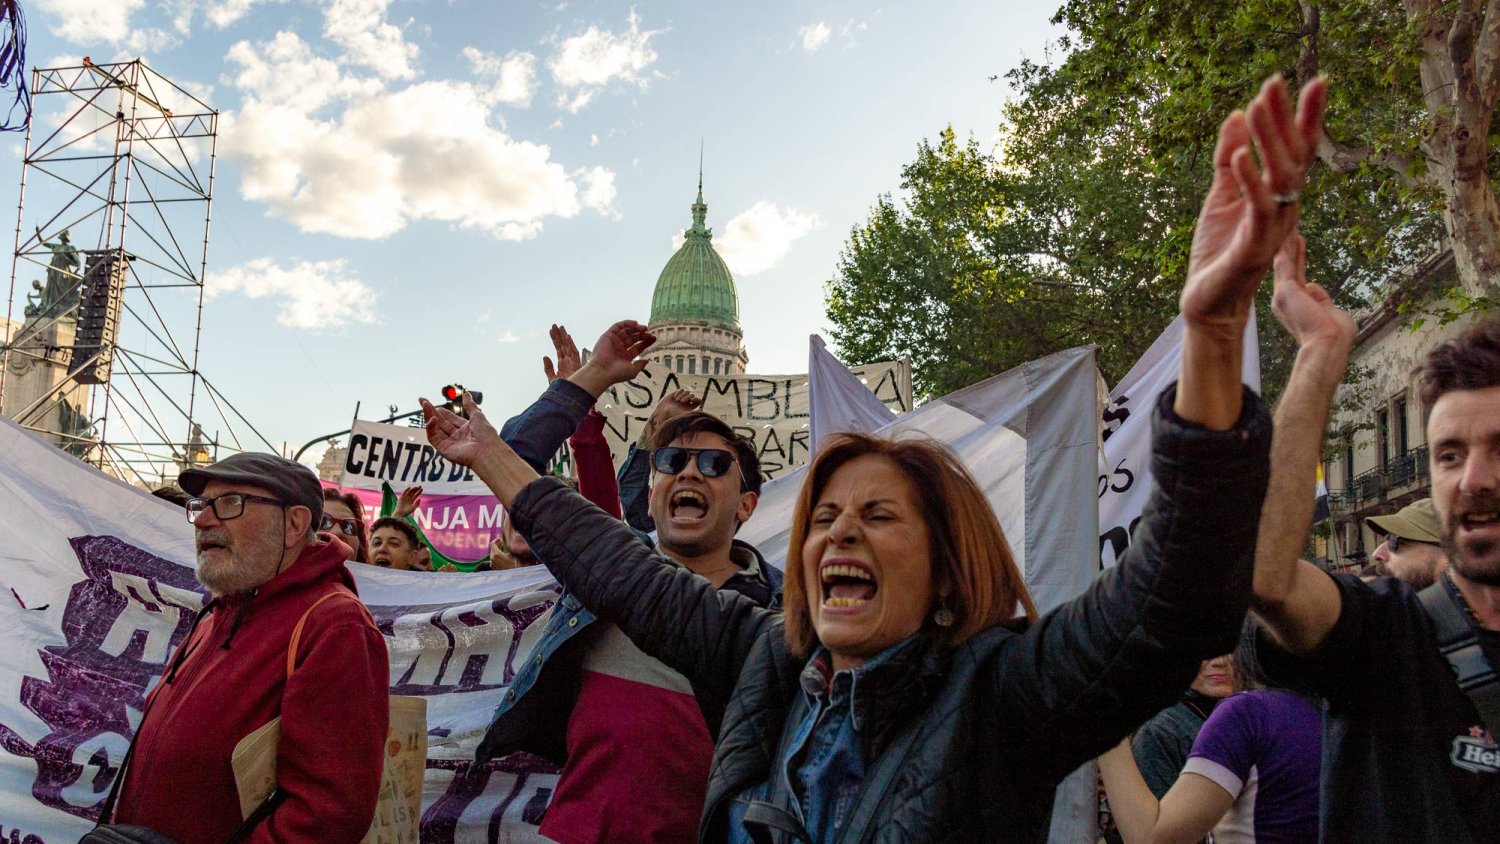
column 1377, row 450
column 695, row 309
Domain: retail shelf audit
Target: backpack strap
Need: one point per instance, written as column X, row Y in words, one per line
column 292, row 647
column 1458, row 642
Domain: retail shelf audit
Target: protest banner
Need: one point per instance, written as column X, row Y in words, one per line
column 772, row 411
column 100, row 588
column 1125, row 458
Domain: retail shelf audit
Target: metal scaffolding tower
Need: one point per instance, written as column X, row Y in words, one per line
column 104, row 358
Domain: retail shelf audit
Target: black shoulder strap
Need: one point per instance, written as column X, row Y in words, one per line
column 1459, row 644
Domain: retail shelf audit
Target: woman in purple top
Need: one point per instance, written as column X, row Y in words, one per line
column 1252, row 775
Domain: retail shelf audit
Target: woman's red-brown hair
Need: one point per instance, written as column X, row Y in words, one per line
column 971, row 562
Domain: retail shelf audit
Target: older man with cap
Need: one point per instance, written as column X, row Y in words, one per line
column 268, row 571
column 1412, row 549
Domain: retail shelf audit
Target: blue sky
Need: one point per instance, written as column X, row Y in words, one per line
column 410, row 192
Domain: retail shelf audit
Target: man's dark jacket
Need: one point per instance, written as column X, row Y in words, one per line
column 969, row 743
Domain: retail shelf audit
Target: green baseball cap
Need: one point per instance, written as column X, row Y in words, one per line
column 1416, row 521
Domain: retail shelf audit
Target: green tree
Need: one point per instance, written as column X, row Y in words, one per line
column 1077, row 228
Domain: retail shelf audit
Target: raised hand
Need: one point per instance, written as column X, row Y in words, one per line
column 460, row 440
column 1305, row 309
column 616, row 357
column 671, row 406
column 1250, row 209
column 568, row 360
column 407, row 502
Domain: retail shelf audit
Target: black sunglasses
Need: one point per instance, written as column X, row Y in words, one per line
column 348, row 527
column 1394, row 542
column 712, row 462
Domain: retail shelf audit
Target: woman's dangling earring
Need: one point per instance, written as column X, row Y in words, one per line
column 943, row 617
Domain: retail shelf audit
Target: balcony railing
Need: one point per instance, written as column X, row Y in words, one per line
column 1406, row 469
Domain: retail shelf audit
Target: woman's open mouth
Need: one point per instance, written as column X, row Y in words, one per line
column 847, row 584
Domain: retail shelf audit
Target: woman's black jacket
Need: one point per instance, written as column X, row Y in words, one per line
column 968, row 744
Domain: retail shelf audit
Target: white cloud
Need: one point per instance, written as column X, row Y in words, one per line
column 224, row 13
column 331, row 158
column 598, row 189
column 756, row 239
column 850, row 28
column 311, row 294
column 90, row 21
column 508, row 337
column 511, row 79
column 584, row 65
column 360, row 27
column 815, row 36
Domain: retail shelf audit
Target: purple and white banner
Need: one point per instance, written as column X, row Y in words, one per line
column 98, row 588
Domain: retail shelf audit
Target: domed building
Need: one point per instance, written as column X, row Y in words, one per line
column 695, row 311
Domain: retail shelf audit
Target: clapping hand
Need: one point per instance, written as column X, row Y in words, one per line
column 568, row 360
column 1304, row 308
column 616, row 357
column 459, row 440
column 1250, row 209
column 671, row 406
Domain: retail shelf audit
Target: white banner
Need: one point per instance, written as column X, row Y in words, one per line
column 770, row 410
column 99, row 589
column 1125, row 462
column 400, row 455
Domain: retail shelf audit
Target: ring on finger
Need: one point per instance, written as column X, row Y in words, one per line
column 1285, row 199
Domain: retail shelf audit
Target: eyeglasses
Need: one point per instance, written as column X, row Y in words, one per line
column 230, row 505
column 348, row 527
column 1394, row 542
column 712, row 462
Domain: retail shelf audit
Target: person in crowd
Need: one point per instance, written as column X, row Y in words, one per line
column 590, row 699
column 909, row 691
column 394, row 544
column 254, row 517
column 1409, row 755
column 635, row 473
column 344, row 517
column 1161, row 745
column 1413, row 547
column 172, row 494
column 1251, row 776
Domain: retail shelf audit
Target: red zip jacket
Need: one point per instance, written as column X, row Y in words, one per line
column 232, row 680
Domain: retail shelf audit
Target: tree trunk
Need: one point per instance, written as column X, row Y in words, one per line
column 1473, row 219
column 1460, row 106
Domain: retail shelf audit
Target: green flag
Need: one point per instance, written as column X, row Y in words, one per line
column 439, row 559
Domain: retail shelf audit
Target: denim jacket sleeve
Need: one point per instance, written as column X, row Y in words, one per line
column 1087, row 673
column 540, row 430
column 635, row 489
column 671, row 614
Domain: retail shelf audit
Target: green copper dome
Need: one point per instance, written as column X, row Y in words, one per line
column 695, row 286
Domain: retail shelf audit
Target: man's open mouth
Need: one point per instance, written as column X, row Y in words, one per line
column 847, row 584
column 687, row 506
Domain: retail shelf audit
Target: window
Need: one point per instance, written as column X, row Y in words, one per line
column 681, row 364
column 1348, row 459
column 1382, row 436
column 692, row 366
column 1402, row 432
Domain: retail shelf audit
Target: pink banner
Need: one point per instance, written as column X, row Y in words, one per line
column 458, row 526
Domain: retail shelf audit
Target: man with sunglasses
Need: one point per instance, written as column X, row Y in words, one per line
column 1412, row 549
column 255, row 517
column 633, row 737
